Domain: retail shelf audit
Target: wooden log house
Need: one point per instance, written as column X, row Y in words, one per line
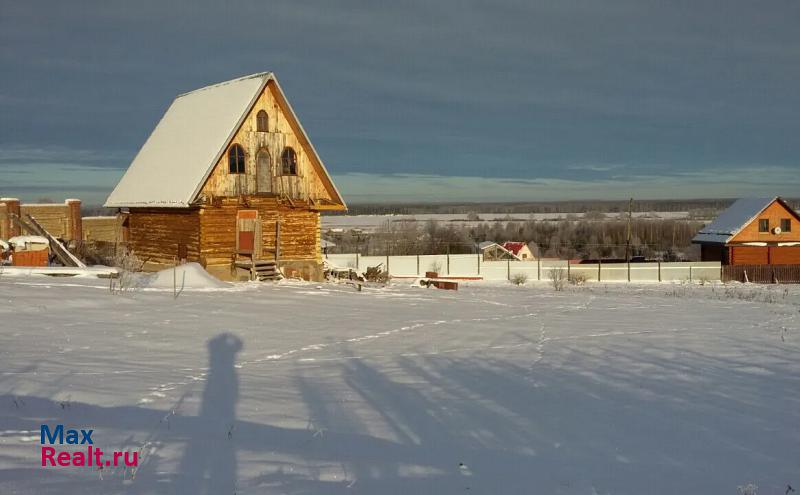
column 228, row 177
column 753, row 231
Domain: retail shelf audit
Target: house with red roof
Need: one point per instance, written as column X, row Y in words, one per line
column 520, row 249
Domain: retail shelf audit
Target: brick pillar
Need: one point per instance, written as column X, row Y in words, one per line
column 12, row 207
column 5, row 221
column 75, row 224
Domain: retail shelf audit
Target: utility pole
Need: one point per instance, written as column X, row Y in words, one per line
column 628, row 240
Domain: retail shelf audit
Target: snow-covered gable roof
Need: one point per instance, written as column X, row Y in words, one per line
column 732, row 220
column 181, row 151
column 175, row 161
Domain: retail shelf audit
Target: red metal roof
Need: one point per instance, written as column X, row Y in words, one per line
column 514, row 247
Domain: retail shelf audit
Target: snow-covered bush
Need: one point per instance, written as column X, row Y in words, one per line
column 577, row 278
column 519, row 279
column 128, row 265
column 558, row 278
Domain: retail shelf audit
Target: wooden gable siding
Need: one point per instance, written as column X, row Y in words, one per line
column 299, row 231
column 774, row 212
column 161, row 235
column 283, row 133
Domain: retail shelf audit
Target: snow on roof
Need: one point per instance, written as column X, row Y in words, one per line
column 732, row 220
column 180, row 153
column 22, row 241
column 485, row 244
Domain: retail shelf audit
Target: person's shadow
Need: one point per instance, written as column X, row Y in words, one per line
column 209, row 462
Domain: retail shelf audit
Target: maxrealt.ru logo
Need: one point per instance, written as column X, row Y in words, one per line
column 91, row 456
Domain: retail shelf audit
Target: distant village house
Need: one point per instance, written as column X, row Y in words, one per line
column 520, row 249
column 491, row 251
column 752, row 231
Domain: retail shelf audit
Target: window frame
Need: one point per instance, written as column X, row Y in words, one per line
column 237, row 159
column 292, row 167
column 262, row 114
column 786, row 224
column 763, row 225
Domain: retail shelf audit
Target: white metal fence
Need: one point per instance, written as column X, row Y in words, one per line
column 472, row 265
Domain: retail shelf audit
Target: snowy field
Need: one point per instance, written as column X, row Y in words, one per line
column 371, row 223
column 494, row 389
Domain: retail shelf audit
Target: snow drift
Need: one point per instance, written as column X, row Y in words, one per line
column 188, row 276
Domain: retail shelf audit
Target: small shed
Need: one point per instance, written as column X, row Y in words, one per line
column 752, row 231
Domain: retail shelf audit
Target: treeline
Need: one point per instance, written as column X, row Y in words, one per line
column 583, row 206
column 668, row 240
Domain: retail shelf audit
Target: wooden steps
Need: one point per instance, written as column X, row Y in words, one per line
column 262, row 270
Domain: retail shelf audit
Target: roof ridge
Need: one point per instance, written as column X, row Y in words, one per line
column 223, row 83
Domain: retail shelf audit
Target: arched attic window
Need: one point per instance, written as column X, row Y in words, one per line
column 236, row 159
column 262, row 121
column 288, row 162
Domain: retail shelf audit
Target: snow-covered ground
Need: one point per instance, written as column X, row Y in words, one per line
column 302, row 389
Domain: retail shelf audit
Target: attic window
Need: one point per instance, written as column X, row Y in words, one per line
column 262, row 121
column 236, row 159
column 763, row 225
column 288, row 162
column 786, row 224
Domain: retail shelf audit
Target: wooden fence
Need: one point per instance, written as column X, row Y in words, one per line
column 762, row 274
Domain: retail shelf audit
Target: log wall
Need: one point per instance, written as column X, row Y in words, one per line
column 299, row 232
column 162, row 235
column 765, row 255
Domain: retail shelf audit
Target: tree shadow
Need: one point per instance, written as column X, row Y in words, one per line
column 209, row 461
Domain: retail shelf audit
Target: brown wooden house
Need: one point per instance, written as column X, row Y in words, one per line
column 228, row 175
column 753, row 231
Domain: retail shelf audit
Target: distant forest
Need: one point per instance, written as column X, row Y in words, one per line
column 603, row 206
column 577, row 206
column 593, row 238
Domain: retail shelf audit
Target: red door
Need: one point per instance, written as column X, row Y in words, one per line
column 246, row 231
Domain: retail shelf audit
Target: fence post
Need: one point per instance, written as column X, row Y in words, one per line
column 659, row 271
column 417, row 264
column 448, row 259
column 479, row 263
column 599, row 267
column 538, row 269
column 508, row 269
column 356, row 261
column 568, row 265
column 629, row 271
column 690, row 273
column 387, row 262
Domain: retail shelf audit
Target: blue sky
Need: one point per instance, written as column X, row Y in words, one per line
column 446, row 100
